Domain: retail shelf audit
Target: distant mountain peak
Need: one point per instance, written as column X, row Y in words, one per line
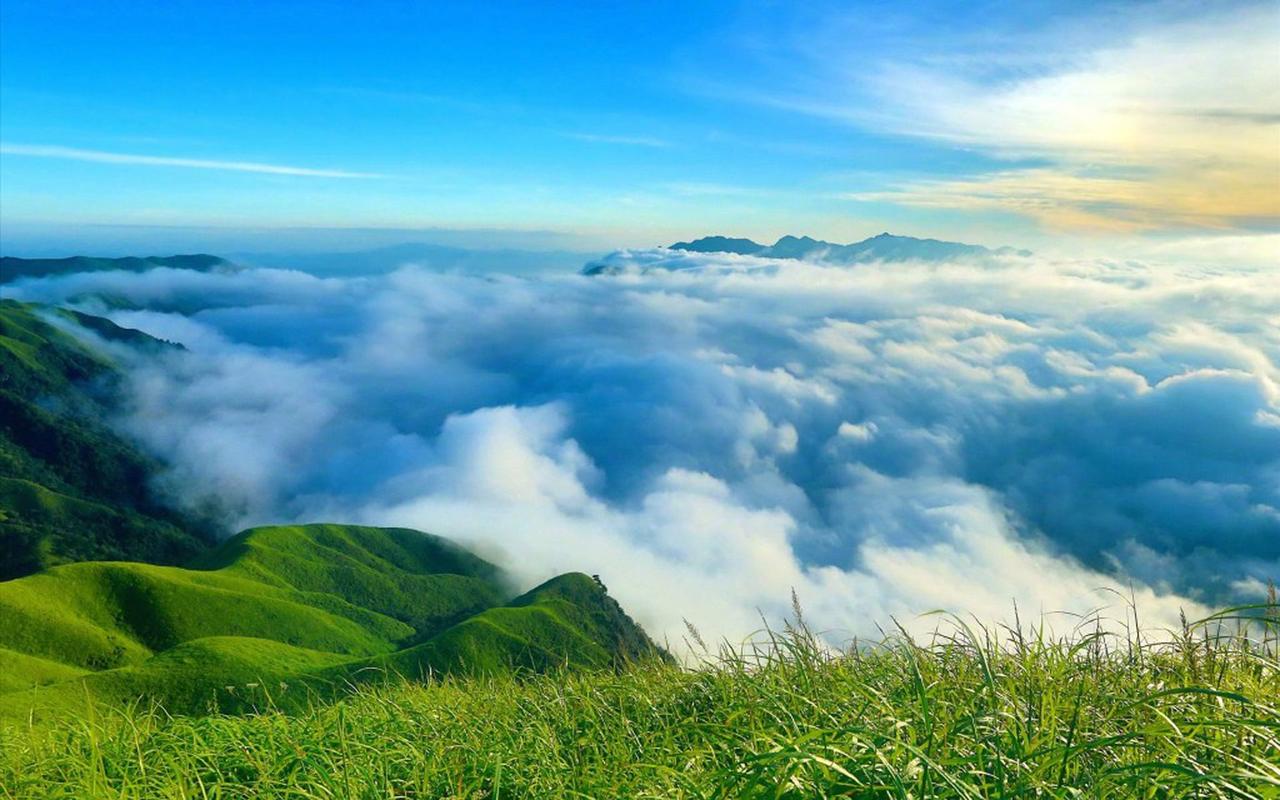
column 884, row 246
column 720, row 244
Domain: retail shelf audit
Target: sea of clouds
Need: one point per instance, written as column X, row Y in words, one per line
column 708, row 432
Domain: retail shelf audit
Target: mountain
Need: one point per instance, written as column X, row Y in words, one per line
column 884, row 247
column 12, row 268
column 795, row 247
column 720, row 244
column 291, row 613
column 71, row 489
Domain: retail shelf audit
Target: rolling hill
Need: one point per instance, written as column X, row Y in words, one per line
column 71, row 489
column 293, row 613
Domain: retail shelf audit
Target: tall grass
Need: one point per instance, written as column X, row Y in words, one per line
column 971, row 712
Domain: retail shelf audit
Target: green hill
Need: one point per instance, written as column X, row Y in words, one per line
column 567, row 621
column 293, row 612
column 70, row 488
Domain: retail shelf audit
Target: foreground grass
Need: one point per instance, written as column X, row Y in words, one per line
column 967, row 714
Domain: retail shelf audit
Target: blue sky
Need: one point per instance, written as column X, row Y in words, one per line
column 641, row 123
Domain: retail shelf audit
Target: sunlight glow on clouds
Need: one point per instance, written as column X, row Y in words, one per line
column 1178, row 126
column 709, row 431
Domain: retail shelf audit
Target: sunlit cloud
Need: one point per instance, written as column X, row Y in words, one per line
column 103, row 157
column 1177, row 126
column 1063, row 199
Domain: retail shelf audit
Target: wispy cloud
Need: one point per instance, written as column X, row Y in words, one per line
column 1063, row 198
column 1178, row 127
column 1172, row 124
column 103, row 157
column 636, row 141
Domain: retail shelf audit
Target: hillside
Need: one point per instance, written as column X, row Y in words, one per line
column 13, row 268
column 71, row 489
column 314, row 607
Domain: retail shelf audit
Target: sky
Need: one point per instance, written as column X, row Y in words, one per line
column 1116, row 126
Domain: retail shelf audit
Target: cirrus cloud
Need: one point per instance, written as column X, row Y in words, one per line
column 1121, row 119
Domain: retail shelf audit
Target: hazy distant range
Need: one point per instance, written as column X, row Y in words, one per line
column 514, row 261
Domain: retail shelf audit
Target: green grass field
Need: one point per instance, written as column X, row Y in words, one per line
column 969, row 714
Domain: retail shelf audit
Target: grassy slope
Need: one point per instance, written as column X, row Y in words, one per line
column 20, row 671
column 423, row 581
column 964, row 717
column 70, row 489
column 314, row 607
column 560, row 622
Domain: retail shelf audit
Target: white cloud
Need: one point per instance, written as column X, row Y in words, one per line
column 103, row 157
column 859, row 432
column 1188, row 89
column 709, row 431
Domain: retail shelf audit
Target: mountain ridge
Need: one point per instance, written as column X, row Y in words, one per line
column 13, row 268
column 881, row 247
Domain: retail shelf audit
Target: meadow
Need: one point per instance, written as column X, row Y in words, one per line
column 971, row 712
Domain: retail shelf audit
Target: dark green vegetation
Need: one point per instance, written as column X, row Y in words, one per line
column 13, row 268
column 288, row 615
column 967, row 715
column 70, row 488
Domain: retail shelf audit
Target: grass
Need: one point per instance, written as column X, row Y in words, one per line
column 971, row 713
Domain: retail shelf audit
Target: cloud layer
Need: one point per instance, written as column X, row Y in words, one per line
column 885, row 439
